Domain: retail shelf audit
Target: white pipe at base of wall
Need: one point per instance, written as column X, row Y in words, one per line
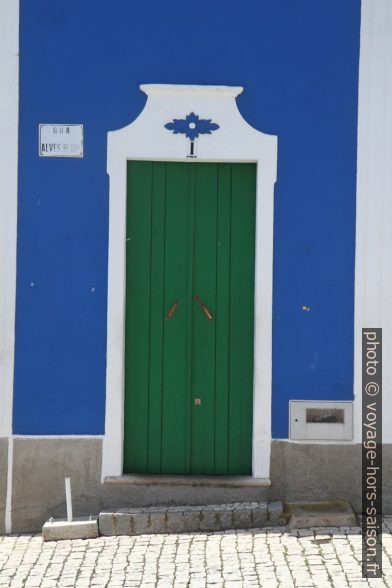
column 68, row 496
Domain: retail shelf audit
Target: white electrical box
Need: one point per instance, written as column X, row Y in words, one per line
column 321, row 420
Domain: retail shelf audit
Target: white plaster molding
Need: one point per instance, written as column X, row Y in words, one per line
column 9, row 99
column 234, row 141
column 373, row 273
column 217, row 91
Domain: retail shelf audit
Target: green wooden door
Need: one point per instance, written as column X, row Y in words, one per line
column 189, row 318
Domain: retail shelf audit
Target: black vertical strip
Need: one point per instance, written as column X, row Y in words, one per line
column 372, row 453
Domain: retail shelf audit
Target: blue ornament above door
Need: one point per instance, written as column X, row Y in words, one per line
column 192, row 126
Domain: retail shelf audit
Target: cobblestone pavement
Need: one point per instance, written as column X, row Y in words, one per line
column 257, row 557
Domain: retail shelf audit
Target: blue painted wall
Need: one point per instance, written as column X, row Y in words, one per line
column 82, row 62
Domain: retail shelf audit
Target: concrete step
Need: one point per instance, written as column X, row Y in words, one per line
column 143, row 491
column 319, row 514
column 182, row 519
column 82, row 528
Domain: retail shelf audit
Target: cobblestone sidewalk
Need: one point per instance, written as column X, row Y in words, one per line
column 265, row 557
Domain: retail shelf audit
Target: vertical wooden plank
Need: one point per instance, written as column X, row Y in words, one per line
column 242, row 317
column 222, row 320
column 137, row 315
column 189, row 310
column 174, row 400
column 157, row 317
column 203, row 336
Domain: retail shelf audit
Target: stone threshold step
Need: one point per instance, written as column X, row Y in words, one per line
column 184, row 519
column 331, row 513
column 178, row 480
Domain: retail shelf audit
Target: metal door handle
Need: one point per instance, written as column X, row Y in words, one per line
column 172, row 311
column 205, row 308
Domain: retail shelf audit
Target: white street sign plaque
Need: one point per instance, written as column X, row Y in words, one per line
column 60, row 140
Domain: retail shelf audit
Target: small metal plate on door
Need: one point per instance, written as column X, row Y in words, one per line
column 197, row 401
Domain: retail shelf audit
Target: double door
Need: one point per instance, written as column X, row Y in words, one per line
column 189, row 318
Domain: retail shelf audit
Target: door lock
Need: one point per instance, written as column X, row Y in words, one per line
column 197, row 401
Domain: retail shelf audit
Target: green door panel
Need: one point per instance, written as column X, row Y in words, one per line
column 175, row 400
column 189, row 318
column 242, row 263
column 222, row 311
column 203, row 329
column 137, row 318
column 156, row 321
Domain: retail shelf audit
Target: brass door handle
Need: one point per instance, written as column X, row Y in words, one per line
column 172, row 311
column 205, row 308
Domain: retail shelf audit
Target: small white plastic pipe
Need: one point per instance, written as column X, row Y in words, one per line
column 68, row 497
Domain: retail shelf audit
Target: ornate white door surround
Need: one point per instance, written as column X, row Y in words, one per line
column 190, row 123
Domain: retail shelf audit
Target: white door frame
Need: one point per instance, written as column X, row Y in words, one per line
column 9, row 113
column 373, row 276
column 234, row 141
